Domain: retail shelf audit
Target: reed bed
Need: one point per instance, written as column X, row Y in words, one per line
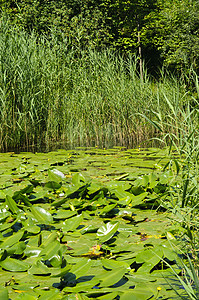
column 52, row 92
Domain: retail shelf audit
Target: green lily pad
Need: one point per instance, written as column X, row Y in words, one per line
column 106, row 231
column 14, row 265
column 41, row 215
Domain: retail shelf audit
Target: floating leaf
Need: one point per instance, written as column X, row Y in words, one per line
column 113, row 264
column 4, row 294
column 25, row 296
column 14, row 265
column 39, row 268
column 4, row 213
column 11, row 240
column 50, row 238
column 111, row 277
column 12, row 205
column 81, row 268
column 64, row 214
column 32, row 251
column 53, row 185
column 78, row 179
column 50, row 295
column 72, row 223
column 31, row 227
column 106, row 231
column 136, row 200
column 61, row 272
column 107, row 209
column 17, row 249
column 75, row 297
column 52, row 253
column 55, row 175
column 136, row 294
column 41, row 215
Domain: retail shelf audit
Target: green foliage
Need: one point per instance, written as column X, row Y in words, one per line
column 80, row 22
column 177, row 35
column 126, row 18
column 94, row 24
column 189, row 281
column 81, row 247
column 168, row 31
column 183, row 149
column 51, row 92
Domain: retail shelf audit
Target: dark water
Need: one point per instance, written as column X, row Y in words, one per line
column 44, row 148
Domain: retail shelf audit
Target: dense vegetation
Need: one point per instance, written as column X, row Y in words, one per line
column 166, row 31
column 74, row 71
column 51, row 92
column 100, row 73
column 76, row 225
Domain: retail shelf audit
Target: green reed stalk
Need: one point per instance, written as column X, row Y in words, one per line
column 51, row 92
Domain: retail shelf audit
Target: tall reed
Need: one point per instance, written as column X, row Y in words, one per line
column 180, row 134
column 52, row 92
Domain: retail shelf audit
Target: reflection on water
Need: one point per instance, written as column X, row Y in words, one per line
column 70, row 146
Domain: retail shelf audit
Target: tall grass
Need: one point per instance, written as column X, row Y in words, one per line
column 52, row 92
column 180, row 134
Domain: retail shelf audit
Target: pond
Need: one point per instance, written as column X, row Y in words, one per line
column 85, row 223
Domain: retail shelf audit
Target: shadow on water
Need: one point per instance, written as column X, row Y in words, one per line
column 45, row 148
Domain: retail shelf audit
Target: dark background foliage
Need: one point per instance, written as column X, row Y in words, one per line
column 168, row 29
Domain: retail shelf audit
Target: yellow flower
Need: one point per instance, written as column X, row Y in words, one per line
column 159, row 288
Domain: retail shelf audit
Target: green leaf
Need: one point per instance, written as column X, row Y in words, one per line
column 18, row 196
column 50, row 238
column 17, row 249
column 81, row 268
column 39, row 268
column 112, row 264
column 136, row 294
column 52, row 253
column 26, row 296
column 4, row 213
column 78, row 179
column 4, row 294
column 72, row 223
column 107, row 209
column 55, row 176
column 11, row 240
column 153, row 180
column 14, row 265
column 32, row 251
column 121, row 194
column 64, row 214
column 75, row 297
column 61, row 272
column 50, row 295
column 106, row 231
column 2, row 195
column 150, row 258
column 136, row 200
column 109, row 278
column 41, row 215
column 108, row 296
column 12, row 205
column 31, row 227
column 52, row 185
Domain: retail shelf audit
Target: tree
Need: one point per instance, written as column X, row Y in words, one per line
column 177, row 34
column 81, row 21
column 130, row 22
